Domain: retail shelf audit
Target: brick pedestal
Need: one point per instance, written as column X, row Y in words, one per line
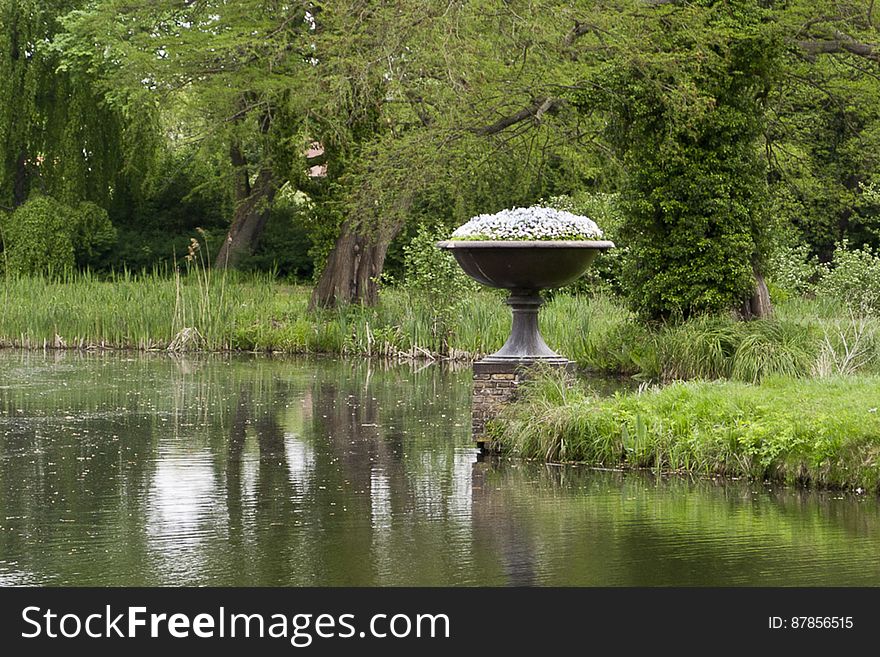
column 495, row 386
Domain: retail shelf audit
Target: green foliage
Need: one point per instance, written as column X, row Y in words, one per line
column 791, row 270
column 821, row 433
column 94, row 234
column 284, row 247
column 431, row 111
column 604, row 276
column 47, row 236
column 686, row 122
column 823, row 139
column 853, row 279
column 58, row 135
column 435, row 278
column 156, row 226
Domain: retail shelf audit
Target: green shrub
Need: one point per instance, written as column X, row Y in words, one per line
column 791, row 270
column 435, row 278
column 47, row 236
column 853, row 278
column 685, row 124
column 93, row 233
column 38, row 237
column 284, row 245
column 603, row 208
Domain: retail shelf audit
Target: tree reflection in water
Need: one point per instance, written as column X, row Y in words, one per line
column 147, row 470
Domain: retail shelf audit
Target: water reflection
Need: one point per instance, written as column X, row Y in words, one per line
column 180, row 518
column 575, row 526
column 255, row 471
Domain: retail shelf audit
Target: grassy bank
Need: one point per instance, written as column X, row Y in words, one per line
column 257, row 313
column 824, row 433
column 207, row 311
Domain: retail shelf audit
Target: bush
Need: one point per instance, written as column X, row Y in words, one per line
column 791, row 271
column 156, row 224
column 853, row 278
column 284, row 245
column 603, row 208
column 47, row 236
column 436, row 278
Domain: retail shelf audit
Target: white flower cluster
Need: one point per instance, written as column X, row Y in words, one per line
column 535, row 223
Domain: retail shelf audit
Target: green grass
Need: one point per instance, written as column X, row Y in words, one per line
column 821, row 432
column 126, row 311
column 156, row 311
column 204, row 310
column 804, row 338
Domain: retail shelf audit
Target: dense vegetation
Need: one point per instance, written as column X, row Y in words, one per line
column 719, row 142
column 816, row 432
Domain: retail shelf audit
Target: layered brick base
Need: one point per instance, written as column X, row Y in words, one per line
column 495, row 386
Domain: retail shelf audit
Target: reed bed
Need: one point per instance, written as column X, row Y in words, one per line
column 197, row 309
column 189, row 311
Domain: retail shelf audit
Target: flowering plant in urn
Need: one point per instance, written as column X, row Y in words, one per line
column 526, row 250
column 535, row 223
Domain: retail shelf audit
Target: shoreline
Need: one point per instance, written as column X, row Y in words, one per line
column 815, row 433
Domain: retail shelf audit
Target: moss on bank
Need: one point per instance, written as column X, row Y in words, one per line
column 822, row 432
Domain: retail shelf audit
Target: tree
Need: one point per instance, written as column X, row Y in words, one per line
column 410, row 100
column 823, row 128
column 229, row 76
column 463, row 113
column 56, row 134
column 685, row 111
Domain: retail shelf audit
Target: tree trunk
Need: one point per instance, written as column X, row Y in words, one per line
column 354, row 266
column 758, row 305
column 252, row 206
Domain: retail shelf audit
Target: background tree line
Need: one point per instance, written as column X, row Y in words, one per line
column 722, row 143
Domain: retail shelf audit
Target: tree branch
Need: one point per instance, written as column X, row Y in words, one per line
column 579, row 30
column 841, row 43
column 534, row 112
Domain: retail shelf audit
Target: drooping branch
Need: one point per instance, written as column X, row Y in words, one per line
column 535, row 111
column 547, row 104
column 839, row 43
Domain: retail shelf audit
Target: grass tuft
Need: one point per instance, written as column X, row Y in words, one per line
column 824, row 433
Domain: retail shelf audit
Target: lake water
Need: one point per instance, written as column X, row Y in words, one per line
column 119, row 469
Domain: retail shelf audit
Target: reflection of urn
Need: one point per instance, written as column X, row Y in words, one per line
column 525, row 268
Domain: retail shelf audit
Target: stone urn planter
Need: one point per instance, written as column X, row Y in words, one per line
column 525, row 267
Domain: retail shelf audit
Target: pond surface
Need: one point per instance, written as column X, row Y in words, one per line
column 152, row 470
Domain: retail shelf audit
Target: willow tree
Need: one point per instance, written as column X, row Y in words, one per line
column 57, row 135
column 230, row 76
column 404, row 97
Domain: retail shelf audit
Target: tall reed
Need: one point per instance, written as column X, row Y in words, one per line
column 193, row 307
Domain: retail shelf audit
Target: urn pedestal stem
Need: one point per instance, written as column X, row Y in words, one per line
column 525, row 344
